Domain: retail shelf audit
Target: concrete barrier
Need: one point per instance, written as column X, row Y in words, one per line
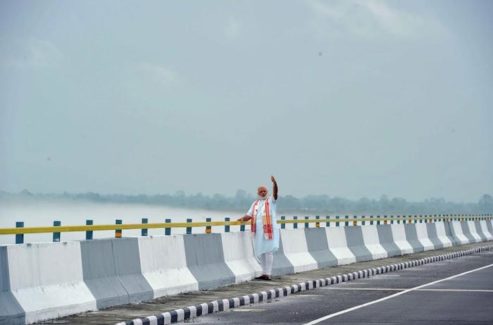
column 432, row 230
column 112, row 271
column 468, row 233
column 489, row 225
column 49, row 280
column 281, row 264
column 458, row 233
column 338, row 245
column 399, row 237
column 296, row 250
column 318, row 247
column 354, row 238
column 10, row 310
column 423, row 236
column 412, row 237
column 433, row 236
column 205, row 260
column 164, row 266
column 476, row 230
column 484, row 227
column 444, row 233
column 239, row 256
column 371, row 241
column 46, row 280
column 387, row 240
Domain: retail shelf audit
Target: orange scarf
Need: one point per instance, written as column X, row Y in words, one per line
column 267, row 219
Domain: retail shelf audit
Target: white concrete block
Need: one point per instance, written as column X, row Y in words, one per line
column 442, row 234
column 458, row 233
column 46, row 279
column 239, row 255
column 164, row 265
column 399, row 235
column 336, row 238
column 423, row 237
column 296, row 250
column 372, row 242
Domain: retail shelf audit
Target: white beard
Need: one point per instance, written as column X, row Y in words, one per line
column 262, row 197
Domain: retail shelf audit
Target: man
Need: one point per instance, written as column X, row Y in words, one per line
column 265, row 231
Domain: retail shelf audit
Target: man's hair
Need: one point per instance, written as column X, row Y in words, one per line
column 262, row 186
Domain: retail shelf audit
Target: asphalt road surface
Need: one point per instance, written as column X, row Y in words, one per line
column 457, row 291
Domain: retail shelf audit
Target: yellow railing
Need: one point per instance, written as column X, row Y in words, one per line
column 208, row 224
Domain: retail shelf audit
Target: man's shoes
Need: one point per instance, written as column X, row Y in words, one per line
column 264, row 277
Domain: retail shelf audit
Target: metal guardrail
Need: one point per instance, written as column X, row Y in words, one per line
column 19, row 231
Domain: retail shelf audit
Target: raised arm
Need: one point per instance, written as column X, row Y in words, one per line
column 274, row 187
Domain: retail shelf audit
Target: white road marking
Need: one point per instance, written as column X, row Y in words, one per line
column 383, row 276
column 456, row 290
column 316, row 321
column 402, row 289
column 247, row 310
column 365, row 289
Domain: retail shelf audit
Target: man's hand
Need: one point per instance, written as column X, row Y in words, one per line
column 274, row 187
column 244, row 218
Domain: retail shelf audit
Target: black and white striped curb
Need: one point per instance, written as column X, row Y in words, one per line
column 190, row 312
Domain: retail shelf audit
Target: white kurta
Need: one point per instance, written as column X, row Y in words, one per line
column 261, row 244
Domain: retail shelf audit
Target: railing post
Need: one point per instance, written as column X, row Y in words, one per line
column 118, row 232
column 363, row 222
column 385, row 219
column 19, row 238
column 337, row 221
column 355, row 220
column 144, row 231
column 283, row 225
column 378, row 219
column 306, row 223
column 189, row 229
column 420, row 218
column 56, row 235
column 89, row 233
column 327, row 222
column 295, row 224
column 317, row 224
column 167, row 230
column 208, row 229
column 371, row 219
column 226, row 227
column 346, row 222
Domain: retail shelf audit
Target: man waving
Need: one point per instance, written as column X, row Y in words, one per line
column 265, row 230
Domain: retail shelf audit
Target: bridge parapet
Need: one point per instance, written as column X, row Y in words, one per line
column 41, row 281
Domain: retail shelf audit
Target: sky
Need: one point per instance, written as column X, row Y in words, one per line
column 344, row 98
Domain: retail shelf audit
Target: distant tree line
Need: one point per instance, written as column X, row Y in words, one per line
column 311, row 204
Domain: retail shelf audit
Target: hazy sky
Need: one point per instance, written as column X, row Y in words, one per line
column 344, row 98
